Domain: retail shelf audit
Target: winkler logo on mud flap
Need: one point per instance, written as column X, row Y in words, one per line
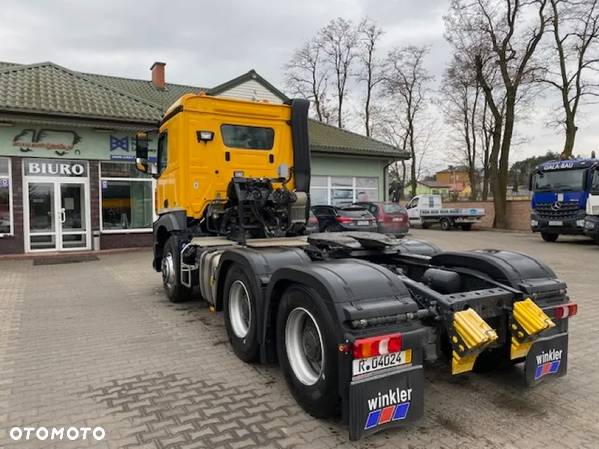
column 548, row 362
column 386, row 407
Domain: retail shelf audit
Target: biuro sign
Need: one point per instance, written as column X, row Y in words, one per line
column 49, row 167
column 59, row 141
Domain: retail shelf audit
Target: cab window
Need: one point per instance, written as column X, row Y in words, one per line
column 247, row 137
column 595, row 185
column 162, row 152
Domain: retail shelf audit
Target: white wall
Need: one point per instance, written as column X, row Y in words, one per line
column 251, row 90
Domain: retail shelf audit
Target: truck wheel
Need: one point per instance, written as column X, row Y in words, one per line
column 307, row 351
column 549, row 237
column 425, row 225
column 445, row 224
column 240, row 314
column 466, row 227
column 171, row 273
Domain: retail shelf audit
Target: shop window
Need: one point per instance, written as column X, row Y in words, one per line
column 127, row 202
column 6, row 226
column 339, row 191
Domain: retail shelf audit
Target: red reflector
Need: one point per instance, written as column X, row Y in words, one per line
column 373, row 346
column 565, row 310
column 394, row 344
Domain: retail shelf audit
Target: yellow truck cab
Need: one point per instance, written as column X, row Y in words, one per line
column 204, row 142
column 230, row 167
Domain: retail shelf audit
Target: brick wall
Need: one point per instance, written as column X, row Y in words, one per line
column 131, row 240
column 14, row 244
column 518, row 213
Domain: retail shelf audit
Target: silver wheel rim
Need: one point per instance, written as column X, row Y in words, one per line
column 240, row 309
column 303, row 343
column 168, row 271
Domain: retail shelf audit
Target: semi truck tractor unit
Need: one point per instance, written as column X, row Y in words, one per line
column 560, row 193
column 350, row 317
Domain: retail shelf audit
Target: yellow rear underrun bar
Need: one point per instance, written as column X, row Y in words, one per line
column 528, row 322
column 471, row 335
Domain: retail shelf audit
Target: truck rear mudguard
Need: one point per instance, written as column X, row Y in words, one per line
column 544, row 355
column 350, row 290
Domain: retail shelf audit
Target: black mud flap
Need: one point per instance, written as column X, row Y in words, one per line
column 547, row 358
column 385, row 401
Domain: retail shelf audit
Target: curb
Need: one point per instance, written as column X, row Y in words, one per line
column 102, row 252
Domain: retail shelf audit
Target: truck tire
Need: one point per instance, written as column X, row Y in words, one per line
column 466, row 226
column 171, row 273
column 549, row 237
column 307, row 351
column 425, row 225
column 445, row 224
column 240, row 314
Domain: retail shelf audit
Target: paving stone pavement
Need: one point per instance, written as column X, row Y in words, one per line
column 98, row 344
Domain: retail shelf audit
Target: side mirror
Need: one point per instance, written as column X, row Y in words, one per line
column 530, row 182
column 595, row 182
column 141, row 152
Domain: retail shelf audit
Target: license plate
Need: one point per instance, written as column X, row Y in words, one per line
column 556, row 223
column 379, row 362
column 363, row 223
column 397, row 219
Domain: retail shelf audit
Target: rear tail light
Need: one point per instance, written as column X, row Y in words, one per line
column 565, row 310
column 342, row 219
column 313, row 220
column 373, row 346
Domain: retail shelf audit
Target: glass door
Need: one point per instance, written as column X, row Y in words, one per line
column 72, row 216
column 42, row 217
column 58, row 217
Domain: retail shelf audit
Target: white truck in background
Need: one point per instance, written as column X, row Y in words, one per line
column 426, row 210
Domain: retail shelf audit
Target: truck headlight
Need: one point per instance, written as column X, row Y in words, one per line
column 534, row 222
column 580, row 223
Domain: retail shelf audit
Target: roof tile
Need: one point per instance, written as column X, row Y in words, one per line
column 55, row 90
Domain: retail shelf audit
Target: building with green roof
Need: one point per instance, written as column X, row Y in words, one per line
column 67, row 178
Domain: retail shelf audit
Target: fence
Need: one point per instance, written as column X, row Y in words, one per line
column 518, row 213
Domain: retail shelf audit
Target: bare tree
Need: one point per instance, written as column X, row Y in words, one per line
column 502, row 36
column 407, row 80
column 393, row 130
column 461, row 104
column 485, row 134
column 307, row 76
column 339, row 42
column 369, row 34
column 575, row 30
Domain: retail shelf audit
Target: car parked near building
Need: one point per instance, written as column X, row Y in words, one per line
column 344, row 218
column 391, row 218
column 312, row 225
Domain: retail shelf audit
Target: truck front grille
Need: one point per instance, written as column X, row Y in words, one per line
column 551, row 211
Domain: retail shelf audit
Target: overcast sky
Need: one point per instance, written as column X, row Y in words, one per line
column 208, row 42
